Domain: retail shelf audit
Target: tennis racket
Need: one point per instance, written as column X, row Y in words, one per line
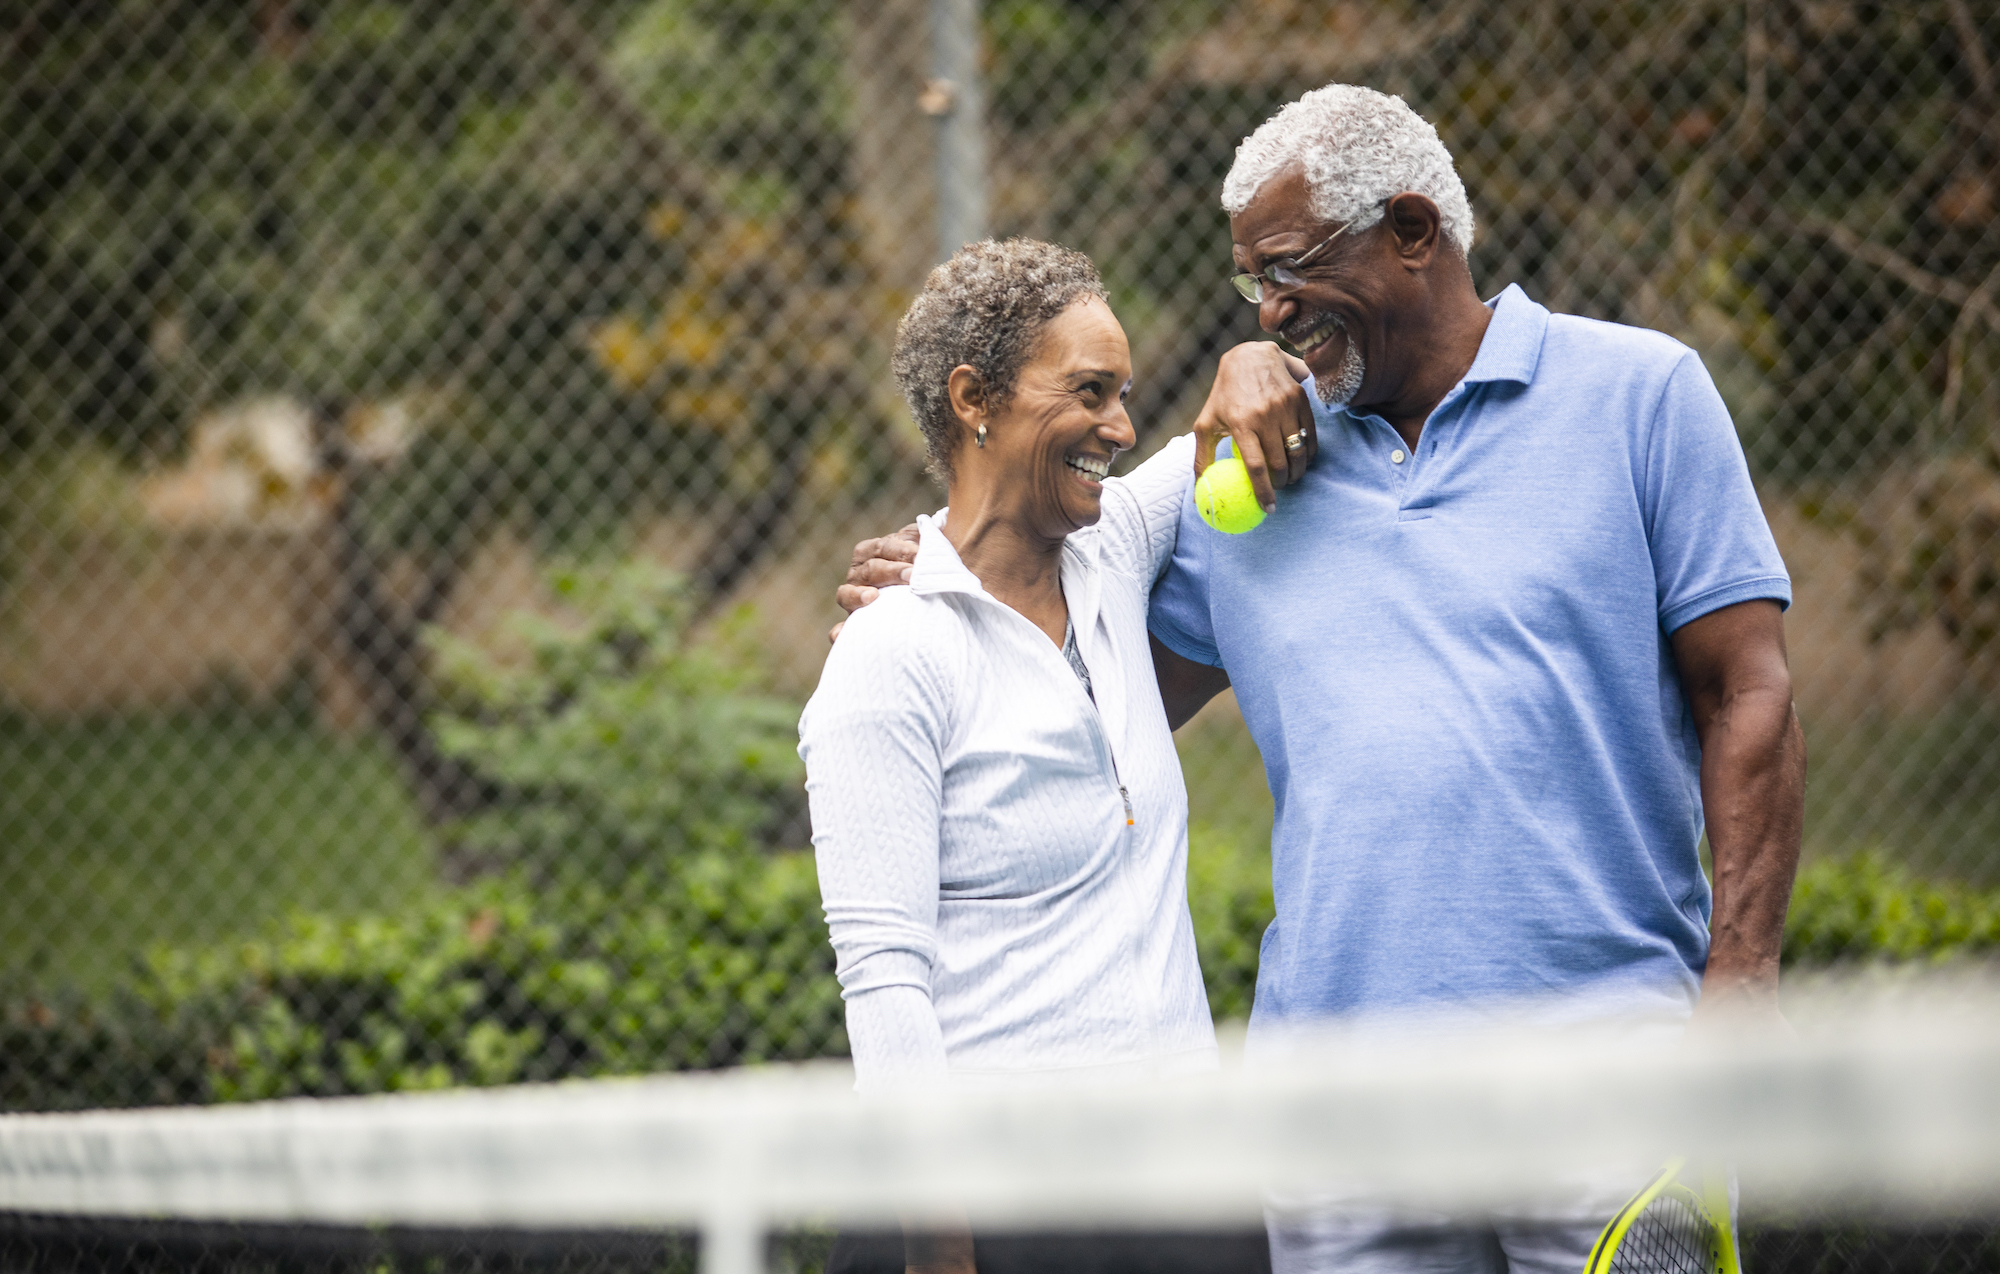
column 1668, row 1228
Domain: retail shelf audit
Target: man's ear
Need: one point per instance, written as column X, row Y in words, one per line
column 1416, row 226
column 968, row 396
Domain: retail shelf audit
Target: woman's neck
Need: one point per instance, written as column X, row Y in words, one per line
column 1016, row 565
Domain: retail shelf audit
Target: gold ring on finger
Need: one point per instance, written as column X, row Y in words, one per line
column 1296, row 442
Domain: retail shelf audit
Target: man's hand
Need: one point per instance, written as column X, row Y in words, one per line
column 1259, row 402
column 878, row 564
column 1753, row 778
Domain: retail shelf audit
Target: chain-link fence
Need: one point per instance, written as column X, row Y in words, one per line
column 432, row 433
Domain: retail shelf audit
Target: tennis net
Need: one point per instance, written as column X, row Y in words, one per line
column 1870, row 1139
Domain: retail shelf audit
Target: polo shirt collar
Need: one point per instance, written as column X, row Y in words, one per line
column 1512, row 346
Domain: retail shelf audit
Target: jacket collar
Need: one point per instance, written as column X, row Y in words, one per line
column 938, row 568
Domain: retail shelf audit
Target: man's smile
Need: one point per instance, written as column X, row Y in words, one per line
column 1312, row 331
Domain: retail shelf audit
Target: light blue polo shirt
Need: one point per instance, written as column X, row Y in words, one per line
column 1456, row 664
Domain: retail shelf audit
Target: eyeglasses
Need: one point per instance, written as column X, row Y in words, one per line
column 1281, row 274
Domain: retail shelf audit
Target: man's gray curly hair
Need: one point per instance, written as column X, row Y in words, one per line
column 983, row 309
column 1359, row 148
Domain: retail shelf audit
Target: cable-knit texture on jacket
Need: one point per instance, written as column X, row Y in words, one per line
column 992, row 909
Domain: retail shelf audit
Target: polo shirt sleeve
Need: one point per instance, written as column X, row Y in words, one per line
column 1710, row 542
column 872, row 740
column 1179, row 613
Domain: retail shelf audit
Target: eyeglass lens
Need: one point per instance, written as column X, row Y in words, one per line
column 1283, row 275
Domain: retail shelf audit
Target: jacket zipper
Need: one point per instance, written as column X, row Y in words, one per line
column 1097, row 717
column 1104, row 738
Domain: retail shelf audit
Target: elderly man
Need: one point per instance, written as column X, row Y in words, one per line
column 1507, row 646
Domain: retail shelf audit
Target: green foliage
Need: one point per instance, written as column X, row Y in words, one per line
column 1868, row 908
column 1844, row 910
column 638, row 931
column 1229, row 897
column 721, row 960
column 724, row 960
column 621, row 741
column 637, row 928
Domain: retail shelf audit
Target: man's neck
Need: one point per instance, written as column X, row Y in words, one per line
column 1448, row 342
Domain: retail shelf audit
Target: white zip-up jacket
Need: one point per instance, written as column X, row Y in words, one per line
column 1003, row 863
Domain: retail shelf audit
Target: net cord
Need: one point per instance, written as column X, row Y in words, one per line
column 1888, row 1107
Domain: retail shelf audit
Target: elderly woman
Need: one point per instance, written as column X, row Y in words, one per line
column 997, row 806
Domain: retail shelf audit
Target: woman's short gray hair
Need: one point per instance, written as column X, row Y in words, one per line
column 982, row 309
column 1359, row 149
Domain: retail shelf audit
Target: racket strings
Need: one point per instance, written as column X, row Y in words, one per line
column 1669, row 1237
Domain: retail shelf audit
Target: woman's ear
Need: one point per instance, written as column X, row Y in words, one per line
column 968, row 396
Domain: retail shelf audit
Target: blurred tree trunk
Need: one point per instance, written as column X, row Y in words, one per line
column 379, row 639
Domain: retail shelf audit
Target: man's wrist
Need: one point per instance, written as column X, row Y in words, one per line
column 1745, row 995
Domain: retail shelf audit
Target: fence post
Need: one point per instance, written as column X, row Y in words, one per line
column 955, row 98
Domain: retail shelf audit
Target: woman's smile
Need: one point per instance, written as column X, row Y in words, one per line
column 1089, row 469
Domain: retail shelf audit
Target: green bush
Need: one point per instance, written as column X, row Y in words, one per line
column 620, row 741
column 1844, row 910
column 1229, row 896
column 1867, row 908
column 636, row 924
column 723, row 960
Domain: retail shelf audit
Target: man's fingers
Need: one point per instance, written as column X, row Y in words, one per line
column 1301, row 428
column 1286, row 418
column 1207, row 432
column 879, row 572
column 1258, row 401
column 900, row 547
column 879, row 563
column 884, row 562
column 1296, row 366
column 1252, row 452
column 852, row 597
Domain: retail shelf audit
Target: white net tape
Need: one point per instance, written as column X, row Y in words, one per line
column 1886, row 1103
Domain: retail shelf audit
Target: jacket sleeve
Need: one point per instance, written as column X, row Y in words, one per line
column 872, row 740
column 1142, row 511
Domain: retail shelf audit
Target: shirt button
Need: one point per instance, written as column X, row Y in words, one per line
column 1396, row 456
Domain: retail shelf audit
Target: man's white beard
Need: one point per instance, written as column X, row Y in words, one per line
column 1346, row 381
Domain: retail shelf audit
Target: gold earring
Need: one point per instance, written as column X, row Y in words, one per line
column 979, row 436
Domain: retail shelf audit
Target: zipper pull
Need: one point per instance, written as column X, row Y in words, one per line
column 1126, row 797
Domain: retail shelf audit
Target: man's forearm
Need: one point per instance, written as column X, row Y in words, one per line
column 1753, row 794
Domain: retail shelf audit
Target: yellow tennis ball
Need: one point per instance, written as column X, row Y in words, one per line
column 1225, row 499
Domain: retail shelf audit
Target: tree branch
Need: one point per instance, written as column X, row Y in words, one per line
column 1902, row 269
column 566, row 45
column 1975, row 51
column 1954, row 350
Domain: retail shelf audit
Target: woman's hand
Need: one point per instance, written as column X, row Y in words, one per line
column 1259, row 403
